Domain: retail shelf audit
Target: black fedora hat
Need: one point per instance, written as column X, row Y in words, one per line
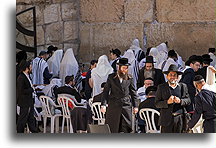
column 206, row 58
column 173, row 68
column 123, row 62
column 149, row 59
column 194, row 58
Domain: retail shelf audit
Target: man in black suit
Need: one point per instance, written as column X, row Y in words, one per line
column 98, row 97
column 205, row 105
column 115, row 56
column 69, row 88
column 148, row 103
column 171, row 98
column 25, row 99
column 206, row 60
column 193, row 63
column 122, row 96
column 148, row 71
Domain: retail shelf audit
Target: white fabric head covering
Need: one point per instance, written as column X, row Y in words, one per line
column 100, row 74
column 69, row 65
column 38, row 67
column 54, row 62
column 48, row 90
column 135, row 47
column 156, row 55
column 163, row 50
column 210, row 80
column 133, row 69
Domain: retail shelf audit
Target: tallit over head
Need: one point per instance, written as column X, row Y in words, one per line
column 54, row 62
column 69, row 65
column 163, row 50
column 100, row 74
column 48, row 90
column 38, row 67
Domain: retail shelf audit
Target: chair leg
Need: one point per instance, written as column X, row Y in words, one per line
column 67, row 125
column 57, row 124
column 71, row 127
column 45, row 120
column 63, row 121
column 52, row 124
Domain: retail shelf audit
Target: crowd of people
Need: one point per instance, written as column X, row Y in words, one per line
column 124, row 83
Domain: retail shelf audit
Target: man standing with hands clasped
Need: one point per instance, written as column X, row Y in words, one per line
column 122, row 96
column 171, row 98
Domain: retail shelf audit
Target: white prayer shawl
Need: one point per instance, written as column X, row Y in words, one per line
column 181, row 63
column 54, row 62
column 38, row 67
column 100, row 74
column 69, row 65
column 210, row 80
column 163, row 50
column 48, row 90
column 169, row 62
column 155, row 53
column 135, row 47
column 213, row 63
column 133, row 69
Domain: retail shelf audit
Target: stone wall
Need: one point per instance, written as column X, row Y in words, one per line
column 93, row 27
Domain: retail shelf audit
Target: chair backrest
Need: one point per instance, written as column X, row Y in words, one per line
column 148, row 115
column 65, row 103
column 102, row 129
column 69, row 96
column 97, row 114
column 48, row 105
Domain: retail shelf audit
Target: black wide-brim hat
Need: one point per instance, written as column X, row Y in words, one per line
column 149, row 59
column 173, row 68
column 207, row 58
column 123, row 62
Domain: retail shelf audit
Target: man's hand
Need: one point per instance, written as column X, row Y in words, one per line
column 135, row 110
column 177, row 100
column 212, row 69
column 103, row 109
column 170, row 100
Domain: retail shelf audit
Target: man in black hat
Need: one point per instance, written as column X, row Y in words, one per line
column 148, row 71
column 171, row 98
column 114, row 56
column 193, row 63
column 25, row 99
column 122, row 96
column 206, row 60
column 205, row 105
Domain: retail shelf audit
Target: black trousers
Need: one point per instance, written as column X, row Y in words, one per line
column 176, row 125
column 209, row 126
column 26, row 116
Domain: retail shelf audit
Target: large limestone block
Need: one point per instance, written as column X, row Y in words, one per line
column 187, row 39
column 52, row 13
column 70, row 30
column 69, row 11
column 185, row 10
column 40, row 35
column 97, row 40
column 139, row 10
column 54, row 33
column 101, row 10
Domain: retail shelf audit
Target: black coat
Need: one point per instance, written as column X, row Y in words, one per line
column 202, row 72
column 162, row 95
column 122, row 96
column 70, row 91
column 158, row 78
column 205, row 104
column 24, row 91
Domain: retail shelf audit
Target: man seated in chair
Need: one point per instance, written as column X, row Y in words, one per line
column 148, row 103
column 68, row 88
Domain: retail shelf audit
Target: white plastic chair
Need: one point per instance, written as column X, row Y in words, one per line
column 97, row 114
column 198, row 128
column 49, row 111
column 90, row 102
column 64, row 101
column 77, row 104
column 148, row 115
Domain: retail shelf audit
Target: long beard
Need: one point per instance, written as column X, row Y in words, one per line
column 122, row 75
column 149, row 74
